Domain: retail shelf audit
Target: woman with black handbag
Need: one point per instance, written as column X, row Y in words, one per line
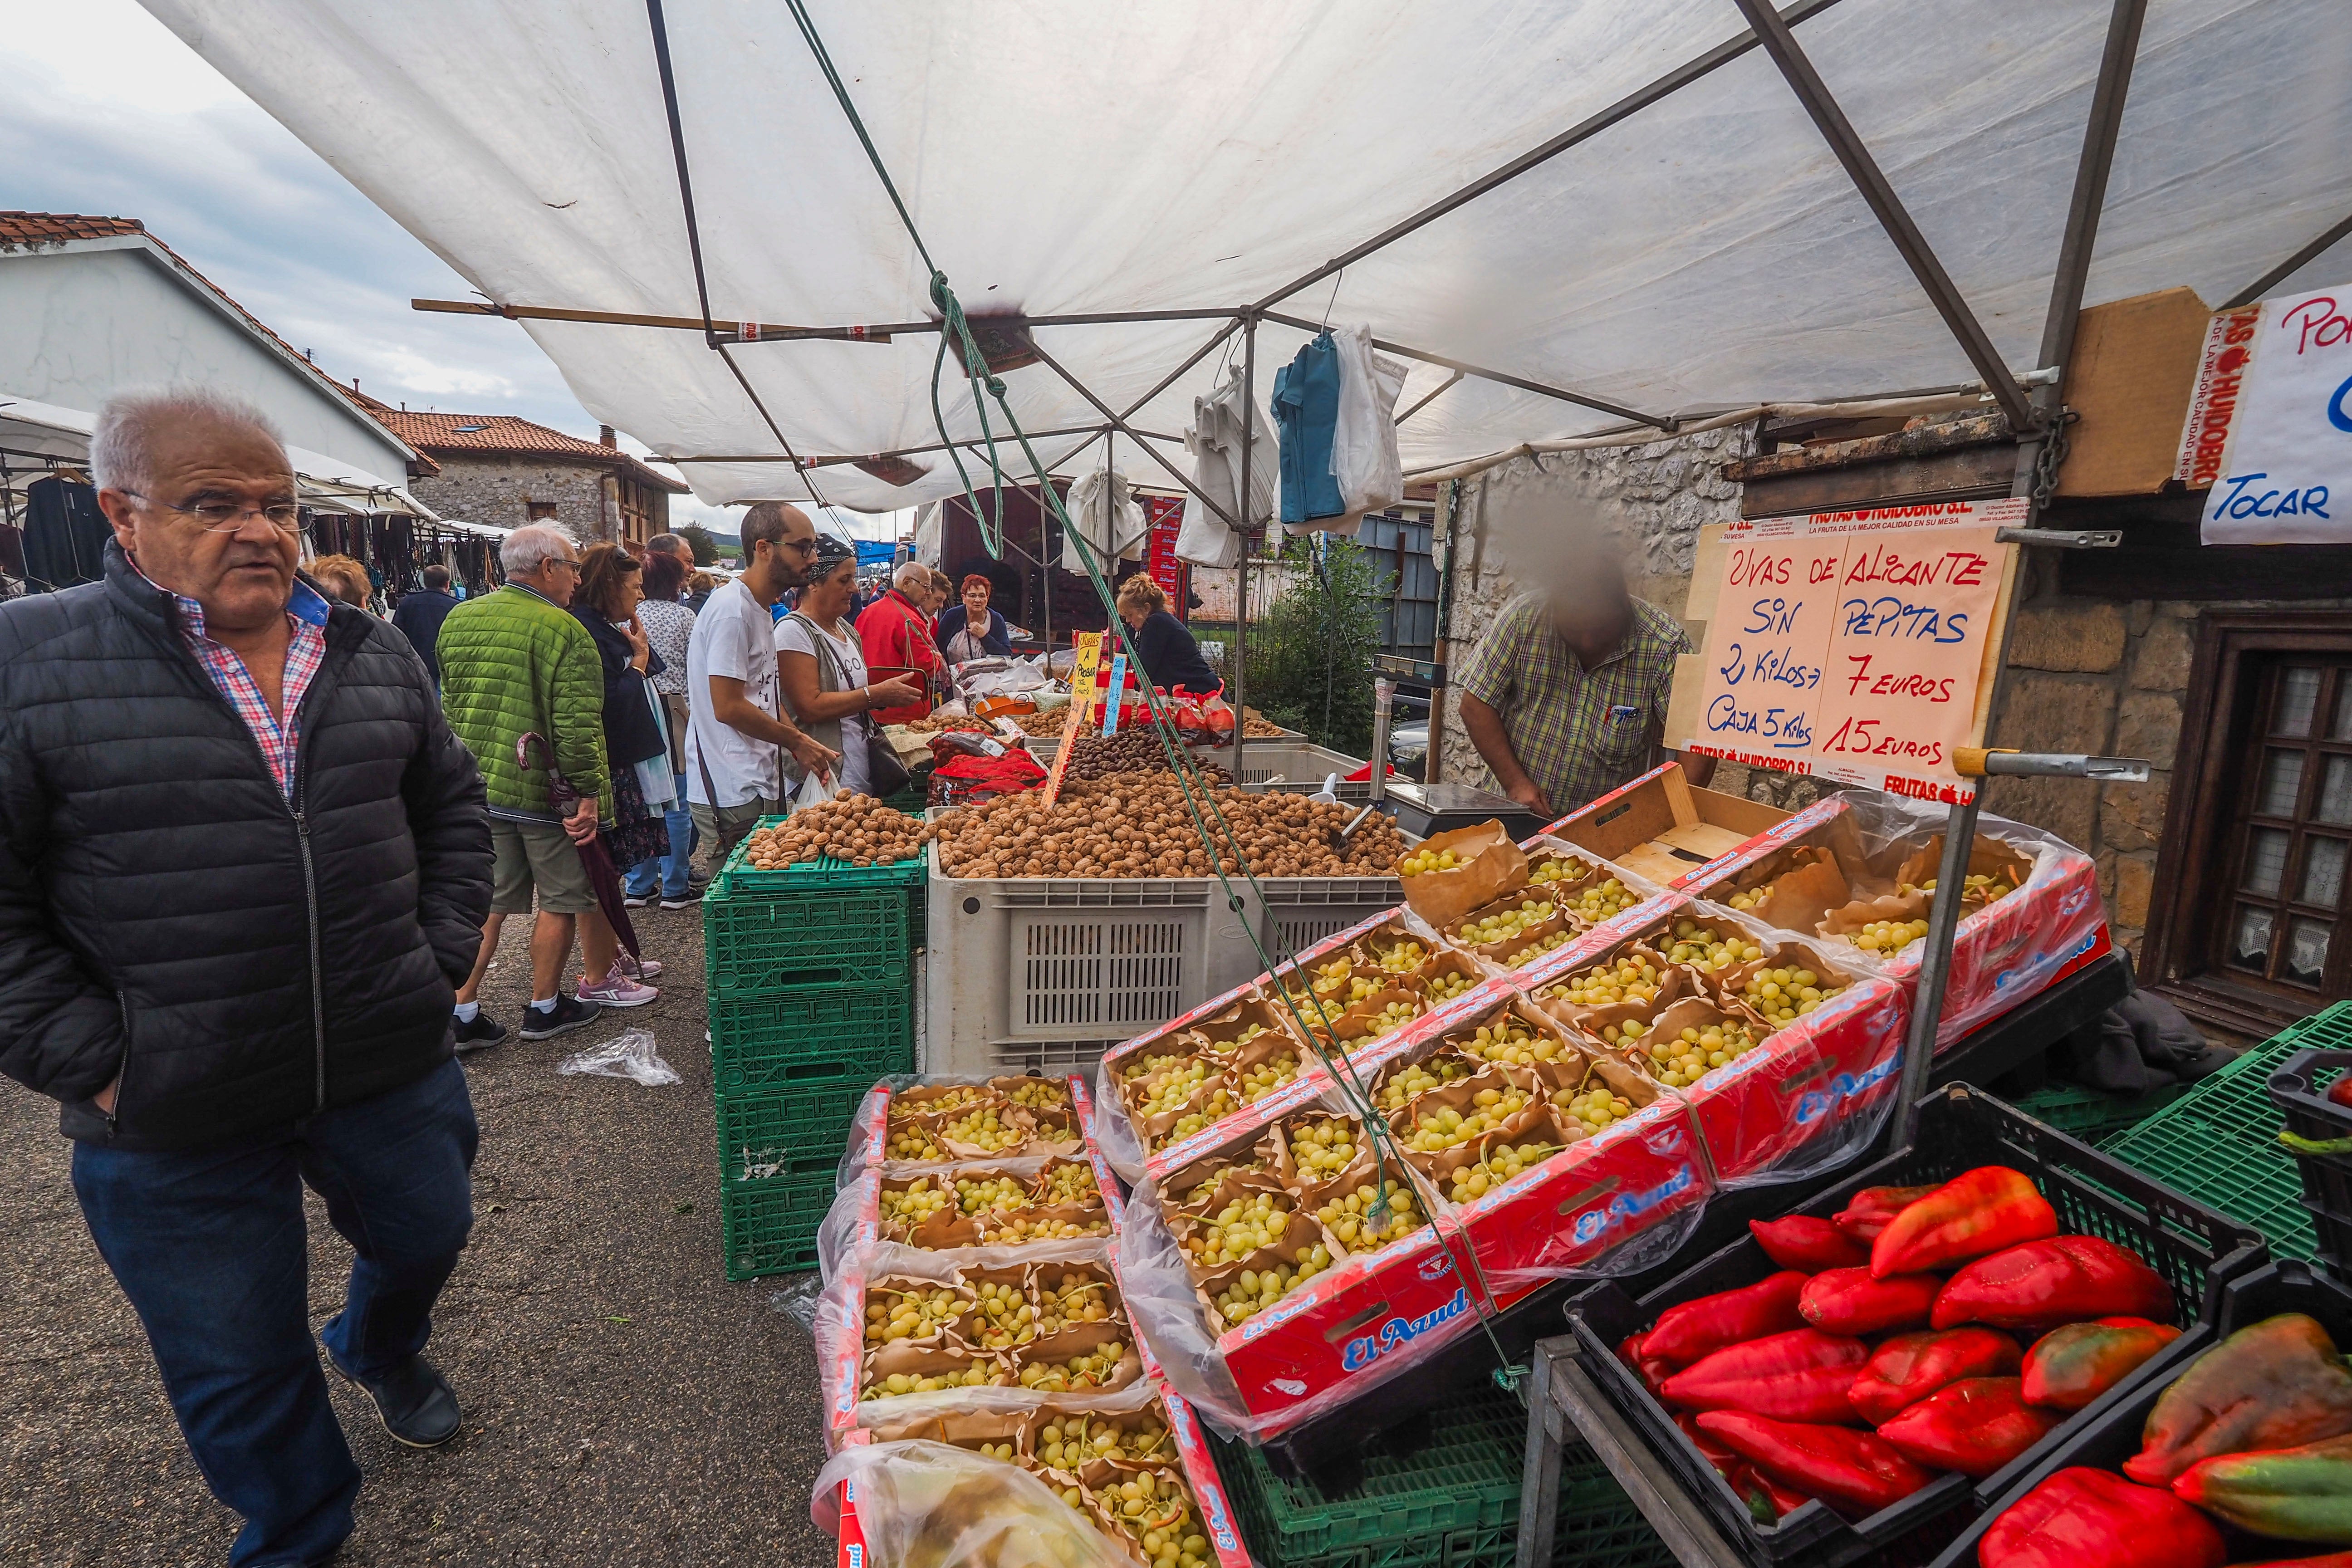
column 822, row 667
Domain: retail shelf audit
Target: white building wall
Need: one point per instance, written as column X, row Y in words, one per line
column 77, row 325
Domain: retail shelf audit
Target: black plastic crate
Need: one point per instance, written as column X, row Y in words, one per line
column 2109, row 1431
column 2300, row 1088
column 2195, row 1249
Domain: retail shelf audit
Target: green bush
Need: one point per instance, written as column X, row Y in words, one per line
column 1310, row 660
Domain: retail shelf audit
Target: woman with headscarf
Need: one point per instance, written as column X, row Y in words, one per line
column 971, row 629
column 822, row 666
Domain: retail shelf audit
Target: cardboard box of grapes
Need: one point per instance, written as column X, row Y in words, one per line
column 954, row 1310
column 1858, row 868
column 1574, row 1144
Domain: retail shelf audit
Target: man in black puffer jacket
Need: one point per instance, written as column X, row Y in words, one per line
column 243, row 864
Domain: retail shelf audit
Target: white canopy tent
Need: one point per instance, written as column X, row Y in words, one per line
column 1697, row 249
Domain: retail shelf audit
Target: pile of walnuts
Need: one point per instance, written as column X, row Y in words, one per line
column 1138, row 824
column 857, row 829
column 1132, row 750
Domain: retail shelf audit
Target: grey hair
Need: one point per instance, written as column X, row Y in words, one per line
column 912, row 573
column 530, row 547
column 122, row 444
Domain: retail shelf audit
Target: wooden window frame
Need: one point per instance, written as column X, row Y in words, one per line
column 2190, row 894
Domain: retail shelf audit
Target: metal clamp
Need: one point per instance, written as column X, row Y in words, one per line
column 1998, row 762
column 2063, row 538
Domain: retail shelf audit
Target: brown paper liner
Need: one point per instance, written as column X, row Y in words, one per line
column 968, row 1430
column 1491, row 866
column 1367, row 1174
column 1076, row 1340
column 1461, row 1097
column 1429, row 1061
column 1540, row 1123
column 1015, row 1275
column 1296, row 1182
column 998, row 1229
column 1247, row 1156
column 935, row 1099
column 1046, row 1279
column 1692, row 1012
column 1126, row 1422
column 1566, row 1056
column 1265, row 1048
column 1798, row 897
column 1102, row 1475
column 949, row 1335
column 1848, row 919
column 1302, row 1232
column 1495, row 952
column 916, row 1362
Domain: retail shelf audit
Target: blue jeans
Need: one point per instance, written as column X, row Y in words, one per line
column 209, row 1246
column 675, row 867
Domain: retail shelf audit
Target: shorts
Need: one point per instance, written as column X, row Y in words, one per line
column 728, row 826
column 524, row 855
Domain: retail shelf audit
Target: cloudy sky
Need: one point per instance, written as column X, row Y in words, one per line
column 107, row 112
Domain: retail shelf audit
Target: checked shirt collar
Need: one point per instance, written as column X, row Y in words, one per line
column 305, row 653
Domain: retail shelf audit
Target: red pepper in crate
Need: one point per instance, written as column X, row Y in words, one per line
column 2068, row 1368
column 2060, row 1281
column 1723, row 1460
column 1975, row 1427
column 1873, row 1209
column 1802, row 1375
column 1651, row 1372
column 2277, row 1384
column 1977, row 1212
column 1808, row 1244
column 1849, row 1301
column 1851, row 1471
column 2331, row 1560
column 1699, row 1328
column 2082, row 1517
column 1907, row 1368
column 2291, row 1494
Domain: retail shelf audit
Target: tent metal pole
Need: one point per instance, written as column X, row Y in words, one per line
column 1237, row 677
column 1120, row 426
column 1722, row 54
column 1483, row 374
column 1871, row 181
column 2082, row 237
column 837, row 459
column 2290, row 267
column 779, row 332
column 1450, row 382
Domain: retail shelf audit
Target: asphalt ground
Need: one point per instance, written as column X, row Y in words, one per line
column 624, row 1405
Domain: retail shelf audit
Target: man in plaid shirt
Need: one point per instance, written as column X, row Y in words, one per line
column 1565, row 697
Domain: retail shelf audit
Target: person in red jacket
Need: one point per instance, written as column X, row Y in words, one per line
column 896, row 630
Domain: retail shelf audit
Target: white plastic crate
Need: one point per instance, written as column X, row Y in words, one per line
column 1049, row 972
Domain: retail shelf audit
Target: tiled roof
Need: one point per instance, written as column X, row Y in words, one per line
column 505, row 435
column 21, row 230
column 53, row 228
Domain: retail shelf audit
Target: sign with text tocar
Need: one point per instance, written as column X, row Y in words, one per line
column 2270, row 423
column 1856, row 645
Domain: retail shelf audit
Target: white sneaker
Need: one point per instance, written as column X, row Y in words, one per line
column 617, row 990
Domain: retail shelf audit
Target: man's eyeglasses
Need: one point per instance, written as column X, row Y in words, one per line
column 798, row 546
column 229, row 516
column 563, row 560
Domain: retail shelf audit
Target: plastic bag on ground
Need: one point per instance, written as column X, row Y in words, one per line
column 629, row 1056
column 932, row 1505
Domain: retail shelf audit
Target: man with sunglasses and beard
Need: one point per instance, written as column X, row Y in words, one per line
column 737, row 732
column 243, row 865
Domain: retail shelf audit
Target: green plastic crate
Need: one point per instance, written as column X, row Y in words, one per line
column 764, row 1043
column 2093, row 1115
column 2219, row 1143
column 1454, row 1502
column 797, row 1131
column 814, row 878
column 764, row 946
column 770, row 1226
column 910, row 800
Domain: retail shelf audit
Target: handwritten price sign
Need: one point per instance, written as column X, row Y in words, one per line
column 2269, row 436
column 1856, row 645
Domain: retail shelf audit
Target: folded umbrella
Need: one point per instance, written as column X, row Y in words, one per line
column 595, row 854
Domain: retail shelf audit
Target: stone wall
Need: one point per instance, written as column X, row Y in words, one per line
column 1513, row 523
column 496, row 490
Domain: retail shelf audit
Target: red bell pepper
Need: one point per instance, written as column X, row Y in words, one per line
column 2331, row 1560
column 2082, row 1517
column 1651, row 1372
column 1977, row 1212
column 1975, row 1427
column 1849, row 1301
column 1786, row 1499
column 1802, row 1375
column 1851, row 1471
column 1807, row 1243
column 2273, row 1384
column 1699, row 1328
column 2062, row 1280
column 2291, row 1494
column 1907, row 1368
column 1768, row 1501
column 2067, row 1368
column 1871, row 1210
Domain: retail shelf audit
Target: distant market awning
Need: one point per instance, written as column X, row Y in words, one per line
column 1574, row 218
column 36, row 430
